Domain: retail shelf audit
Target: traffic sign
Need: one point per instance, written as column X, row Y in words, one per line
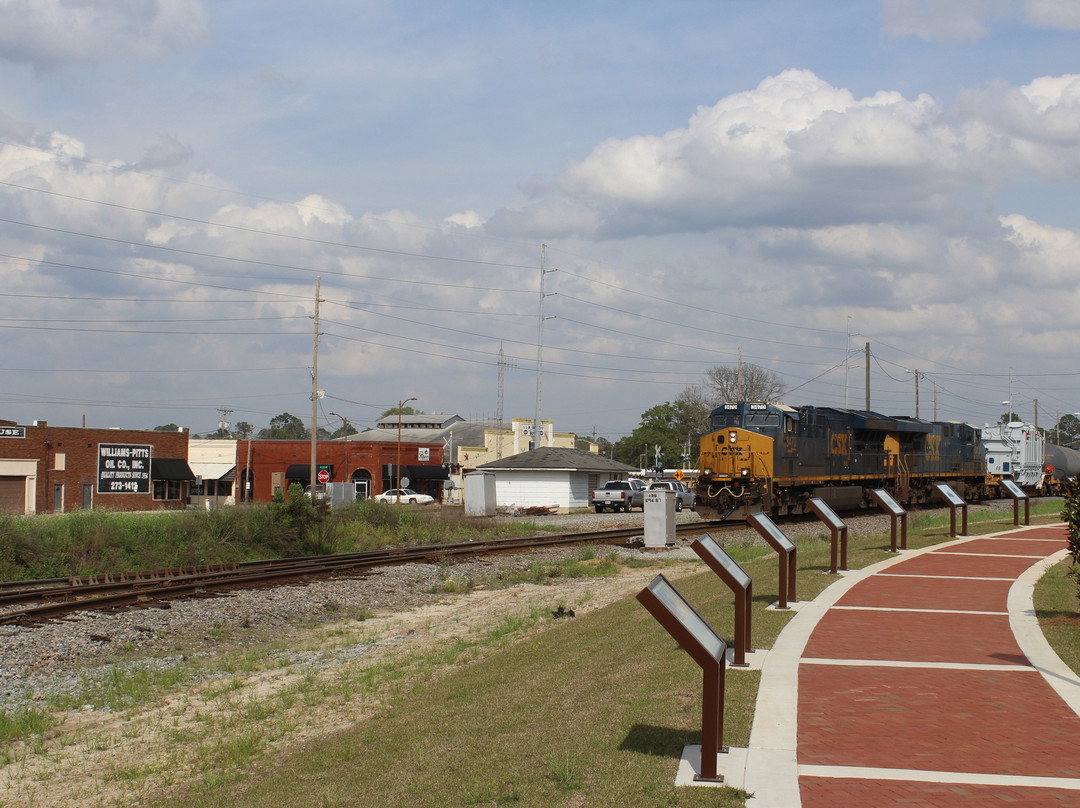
column 678, row 475
column 324, row 476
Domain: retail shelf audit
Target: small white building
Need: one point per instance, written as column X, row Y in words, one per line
column 552, row 476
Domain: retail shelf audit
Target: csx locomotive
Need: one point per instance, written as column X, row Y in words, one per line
column 773, row 458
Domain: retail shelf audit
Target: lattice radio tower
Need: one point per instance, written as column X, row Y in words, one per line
column 504, row 363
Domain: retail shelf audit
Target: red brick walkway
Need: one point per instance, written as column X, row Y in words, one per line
column 913, row 690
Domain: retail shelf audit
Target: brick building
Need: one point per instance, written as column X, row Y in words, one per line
column 370, row 460
column 58, row 469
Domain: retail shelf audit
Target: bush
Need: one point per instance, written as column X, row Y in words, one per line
column 1070, row 514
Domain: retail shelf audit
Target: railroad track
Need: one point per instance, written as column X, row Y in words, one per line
column 30, row 603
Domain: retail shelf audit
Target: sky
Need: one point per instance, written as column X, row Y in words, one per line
column 798, row 185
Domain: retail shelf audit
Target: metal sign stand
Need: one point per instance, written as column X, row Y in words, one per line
column 776, row 539
column 892, row 507
column 1017, row 494
column 740, row 584
column 954, row 501
column 838, row 528
column 706, row 648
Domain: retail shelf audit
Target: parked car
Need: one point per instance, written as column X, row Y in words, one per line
column 406, row 495
column 684, row 497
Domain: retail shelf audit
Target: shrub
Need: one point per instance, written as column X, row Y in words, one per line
column 1070, row 514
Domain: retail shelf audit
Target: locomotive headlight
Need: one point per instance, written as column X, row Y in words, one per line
column 732, row 436
column 708, row 472
column 746, row 472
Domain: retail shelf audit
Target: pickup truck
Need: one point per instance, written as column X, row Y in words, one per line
column 684, row 497
column 619, row 495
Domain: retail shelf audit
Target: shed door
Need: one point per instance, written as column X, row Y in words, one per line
column 13, row 495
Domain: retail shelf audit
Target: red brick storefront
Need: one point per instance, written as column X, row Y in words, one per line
column 277, row 463
column 58, row 469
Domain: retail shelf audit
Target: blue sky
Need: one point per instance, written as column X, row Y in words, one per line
column 707, row 177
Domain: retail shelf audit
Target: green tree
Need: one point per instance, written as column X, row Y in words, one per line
column 660, row 426
column 167, row 428
column 394, row 411
column 340, row 431
column 1066, row 432
column 285, row 427
column 243, row 429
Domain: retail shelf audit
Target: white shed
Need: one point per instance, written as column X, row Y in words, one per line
column 552, row 476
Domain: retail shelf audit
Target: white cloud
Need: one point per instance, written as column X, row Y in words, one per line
column 1060, row 14
column 966, row 19
column 796, row 151
column 48, row 34
column 929, row 19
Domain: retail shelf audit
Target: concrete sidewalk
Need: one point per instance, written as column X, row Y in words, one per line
column 921, row 681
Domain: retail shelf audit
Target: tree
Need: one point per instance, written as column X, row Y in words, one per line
column 660, row 427
column 285, row 427
column 340, row 431
column 167, row 428
column 394, row 411
column 1066, row 432
column 243, row 429
column 722, row 384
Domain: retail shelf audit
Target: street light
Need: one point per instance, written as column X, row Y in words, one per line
column 400, row 406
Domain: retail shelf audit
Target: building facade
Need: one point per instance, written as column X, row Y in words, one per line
column 264, row 467
column 59, row 469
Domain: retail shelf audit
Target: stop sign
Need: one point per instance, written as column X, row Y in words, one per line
column 324, row 476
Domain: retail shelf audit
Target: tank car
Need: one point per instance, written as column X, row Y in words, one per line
column 1061, row 464
column 774, row 458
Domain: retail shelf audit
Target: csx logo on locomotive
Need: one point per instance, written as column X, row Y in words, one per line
column 731, row 451
column 840, row 443
column 933, row 448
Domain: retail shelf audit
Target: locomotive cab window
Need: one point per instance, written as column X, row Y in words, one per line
column 760, row 419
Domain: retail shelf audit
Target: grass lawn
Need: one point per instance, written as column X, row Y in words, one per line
column 594, row 711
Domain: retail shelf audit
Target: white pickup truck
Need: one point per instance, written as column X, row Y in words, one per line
column 619, row 495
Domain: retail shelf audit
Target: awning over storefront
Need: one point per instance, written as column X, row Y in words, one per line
column 298, row 471
column 426, row 472
column 214, row 471
column 170, row 468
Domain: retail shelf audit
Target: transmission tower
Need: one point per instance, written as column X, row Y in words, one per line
column 504, row 363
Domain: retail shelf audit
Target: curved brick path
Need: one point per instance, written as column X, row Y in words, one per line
column 921, row 681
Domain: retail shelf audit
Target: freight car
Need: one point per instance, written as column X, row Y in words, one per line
column 1062, row 464
column 1015, row 451
column 774, row 458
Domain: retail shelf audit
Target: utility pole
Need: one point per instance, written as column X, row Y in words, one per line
column 223, row 421
column 916, row 392
column 315, row 394
column 847, row 356
column 345, row 426
column 868, row 377
column 738, row 379
column 251, row 433
column 539, row 348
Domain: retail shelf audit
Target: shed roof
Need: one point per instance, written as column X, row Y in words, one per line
column 553, row 458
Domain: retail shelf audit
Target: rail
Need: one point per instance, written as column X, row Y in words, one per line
column 47, row 599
